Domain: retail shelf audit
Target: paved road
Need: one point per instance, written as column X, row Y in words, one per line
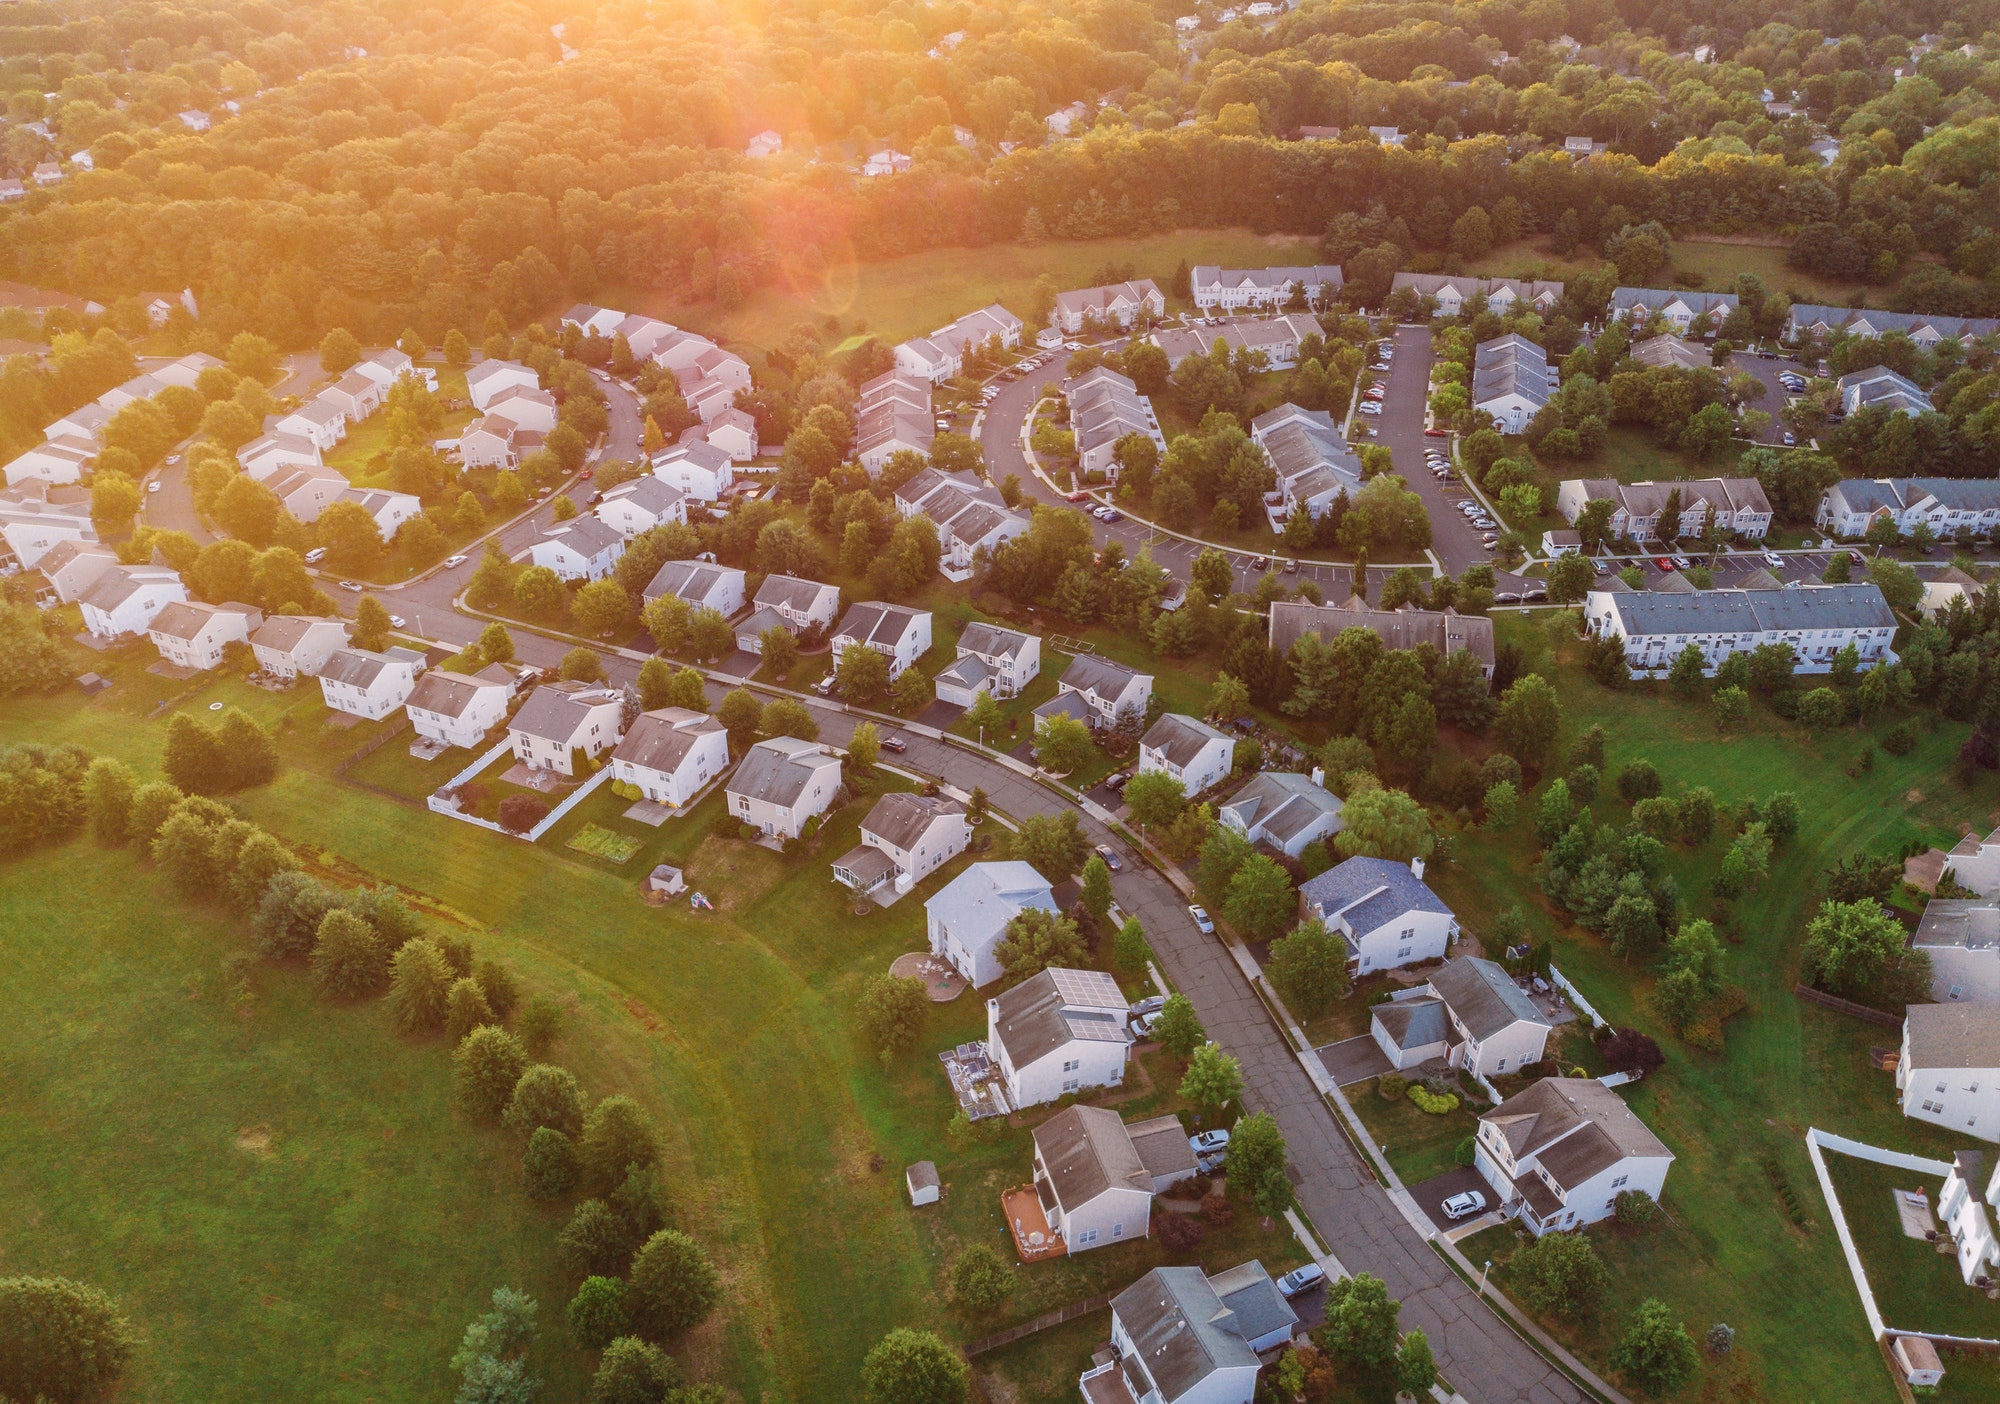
column 1775, row 395
column 1406, row 392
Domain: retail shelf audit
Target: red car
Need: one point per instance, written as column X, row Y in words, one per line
column 1663, row 563
column 1075, row 496
column 1437, row 433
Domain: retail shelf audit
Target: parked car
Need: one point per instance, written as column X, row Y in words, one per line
column 1110, row 857
column 1856, row 557
column 1790, row 441
column 1600, row 567
column 1151, row 1004
column 1663, row 563
column 1369, row 407
column 1119, row 781
column 1143, row 1027
column 823, row 686
column 895, row 744
column 351, row 585
column 1301, row 1279
column 1774, row 560
column 453, row 562
column 1682, row 562
column 1208, row 1142
column 153, row 486
column 316, row 555
column 395, row 621
column 1464, row 1206
column 1201, row 921
column 1437, row 433
column 1112, row 514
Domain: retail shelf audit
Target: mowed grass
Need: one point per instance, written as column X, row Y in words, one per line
column 1711, row 264
column 1916, row 1287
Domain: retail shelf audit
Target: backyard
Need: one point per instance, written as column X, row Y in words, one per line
column 1916, row 1287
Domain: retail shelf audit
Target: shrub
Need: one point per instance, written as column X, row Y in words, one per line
column 496, row 982
column 60, row 1341
column 913, row 1367
column 1628, row 1050
column 540, row 1026
column 1560, row 1274
column 550, row 1169
column 980, row 1280
column 521, row 812
column 1217, row 1210
column 1656, row 1350
column 347, row 960
column 634, row 1372
column 1465, row 1152
column 485, row 1069
column 419, row 987
column 1900, row 739
column 1179, row 1234
column 1391, row 1086
column 546, row 1095
column 465, row 1008
column 1636, row 1209
column 673, row 1285
column 597, row 1314
column 594, row 1241
column 618, row 1137
column 1437, row 1104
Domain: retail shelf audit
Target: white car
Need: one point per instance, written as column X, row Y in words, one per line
column 1464, row 1206
column 1209, row 1142
column 453, row 562
column 1201, row 921
column 153, row 486
column 396, row 621
column 1302, row 1279
column 316, row 555
column 1774, row 560
column 1369, row 407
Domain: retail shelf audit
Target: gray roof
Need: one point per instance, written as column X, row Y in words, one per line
column 1809, row 314
column 1484, row 996
column 357, row 667
column 284, row 632
column 554, row 711
column 655, row 496
column 900, row 819
column 1056, row 1007
column 1063, row 704
column 586, row 535
column 980, row 901
column 1284, row 803
column 1414, row 1023
column 1658, row 299
column 184, row 619
column 789, row 590
column 1162, row 1143
column 1087, row 1151
column 1099, row 676
column 1739, row 611
column 1972, row 925
column 1264, row 279
column 1512, row 365
column 873, row 622
column 449, row 694
column 1369, row 893
column 1961, row 494
column 1248, row 1291
column 660, row 740
column 1670, row 350
column 992, row 641
column 1962, row 1035
column 966, row 671
column 761, row 620
column 1180, row 1329
column 1098, row 299
column 1575, row 1127
column 120, row 583
column 1182, row 738
column 1447, row 631
column 777, row 771
column 690, row 580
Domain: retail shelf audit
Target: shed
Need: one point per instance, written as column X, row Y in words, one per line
column 922, row 1179
column 1918, row 1359
column 93, row 683
column 667, row 880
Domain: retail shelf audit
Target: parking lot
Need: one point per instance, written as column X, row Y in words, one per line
column 1767, row 369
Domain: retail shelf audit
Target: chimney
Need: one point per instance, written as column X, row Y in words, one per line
column 1319, row 776
column 1417, row 867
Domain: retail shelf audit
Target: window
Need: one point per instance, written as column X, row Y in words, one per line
column 1933, row 1107
column 1940, row 1087
column 1118, row 1229
column 1072, row 1065
column 1087, row 1236
column 1620, row 1181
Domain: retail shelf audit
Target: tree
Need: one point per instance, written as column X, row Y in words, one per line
column 601, row 608
column 1656, row 1349
column 1385, row 824
column 114, row 502
column 673, row 1286
column 914, row 1367
column 489, row 1356
column 740, row 715
column 61, row 1341
column 1309, row 968
column 597, row 1313
column 980, row 1281
column 1154, row 798
column 1128, row 947
column 1096, row 893
column 419, row 987
column 348, row 960
column 1570, row 578
column 1416, row 1367
column 1062, row 745
column 1529, row 719
column 539, row 591
column 1858, row 951
column 108, row 790
column 864, row 747
column 1035, row 940
column 1360, row 1325
column 1053, row 844
column 893, row 1009
column 485, row 1069
column 1503, row 805
column 632, row 1371
column 1686, row 675
column 863, row 674
column 779, row 650
column 1255, row 1163
column 1560, row 1274
column 546, row 1095
column 1213, row 1079
column 1260, row 899
column 550, row 1167
column 260, row 859
column 784, row 717
column 250, row 755
column 617, row 1137
column 192, row 757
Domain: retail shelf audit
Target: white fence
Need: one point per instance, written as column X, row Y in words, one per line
column 439, row 805
column 1583, row 1006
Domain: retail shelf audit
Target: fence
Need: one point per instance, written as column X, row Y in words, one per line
column 1040, row 1323
column 1575, row 995
column 1846, row 1006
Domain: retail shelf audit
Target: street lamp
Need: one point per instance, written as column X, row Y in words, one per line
column 1482, row 1276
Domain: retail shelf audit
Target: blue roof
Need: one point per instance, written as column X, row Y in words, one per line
column 1390, row 889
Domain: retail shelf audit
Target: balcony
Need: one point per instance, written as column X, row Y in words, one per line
column 1028, row 1221
column 1105, row 1384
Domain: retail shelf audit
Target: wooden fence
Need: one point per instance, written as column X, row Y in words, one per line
column 1040, row 1323
column 1847, row 1006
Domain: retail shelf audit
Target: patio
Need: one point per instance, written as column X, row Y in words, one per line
column 1034, row 1240
column 975, row 1081
column 942, row 983
column 531, row 778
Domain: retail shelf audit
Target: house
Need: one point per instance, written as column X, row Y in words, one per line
column 970, row 517
column 388, row 510
column 900, row 634
column 671, row 755
column 1470, row 1014
column 1947, row 585
column 797, row 604
column 1946, row 505
column 996, row 661
column 582, row 548
column 1105, row 407
column 306, row 492
column 72, row 567
column 84, row 424
column 781, row 784
column 489, row 442
column 563, row 720
column 1387, row 136
column 191, row 634
column 640, row 505
column 892, row 415
column 1702, row 313
column 125, row 600
column 1878, row 387
column 703, row 586
column 36, row 518
column 1057, row 1033
column 1974, row 863
column 1385, row 911
column 488, row 380
column 364, row 683
column 592, row 320
column 887, row 161
column 530, row 410
column 1310, row 462
column 1064, row 118
column 1117, row 304
column 904, row 839
column 160, row 307
column 1452, row 294
column 57, row 462
column 11, row 190
column 1277, row 339
column 1285, row 810
column 1099, row 692
column 195, row 120
column 1234, row 289
column 459, row 709
column 1095, row 1191
column 1182, row 1337
column 765, row 143
column 265, row 457
column 1582, row 148
column 388, row 365
column 1447, row 631
column 732, row 430
column 1669, row 352
column 941, row 355
column 1559, row 1152
column 1963, row 1203
column 355, row 395
column 1949, row 1069
column 1638, row 510
column 702, row 471
column 319, row 420
column 1511, row 380
column 48, row 173
column 139, row 387
column 1811, row 319
column 1556, row 542
column 1818, row 621
column 1189, row 749
column 968, row 917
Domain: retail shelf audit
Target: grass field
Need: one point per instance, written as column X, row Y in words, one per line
column 1915, row 1286
column 604, row 843
column 1713, row 263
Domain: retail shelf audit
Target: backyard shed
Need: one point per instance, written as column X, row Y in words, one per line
column 923, row 1181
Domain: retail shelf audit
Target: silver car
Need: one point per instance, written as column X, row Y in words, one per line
column 1464, row 1206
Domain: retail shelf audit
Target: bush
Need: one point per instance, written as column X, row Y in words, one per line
column 1900, row 739
column 597, row 1314
column 540, row 1026
column 521, row 812
column 419, row 987
column 673, row 1286
column 1217, row 1210
column 617, row 1138
column 60, row 1341
column 485, row 1069
column 348, row 961
column 1465, row 1152
column 633, row 1372
column 465, row 1008
column 546, row 1095
column 1628, row 1050
column 496, row 982
column 551, row 1168
column 1656, row 1349
column 594, row 1241
column 980, row 1280
column 1560, row 1274
column 1179, row 1234
column 1391, row 1087
column 1636, row 1209
column 914, row 1367
column 1437, row 1104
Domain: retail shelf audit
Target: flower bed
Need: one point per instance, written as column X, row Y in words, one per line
column 603, row 843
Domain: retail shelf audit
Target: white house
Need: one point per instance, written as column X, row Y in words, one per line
column 1684, row 311
column 1511, row 380
column 1099, row 692
column 702, row 585
column 1059, row 1032
column 733, row 431
column 72, row 567
column 900, row 634
column 488, row 380
column 562, row 719
column 789, row 603
column 459, row 709
column 1926, row 330
column 191, row 634
column 1182, row 1337
column 1818, row 621
column 367, row 684
column 781, row 784
column 592, row 320
column 640, row 505
column 1639, row 510
column 970, row 517
column 388, row 510
column 1104, row 408
column 1385, row 911
column 529, row 407
column 1234, row 289
column 1947, row 585
column 390, row 364
column 1287, row 811
column 126, row 599
column 1310, row 462
column 1114, row 304
column 996, row 661
column 265, row 457
column 1470, row 1013
column 968, row 918
column 36, row 518
column 355, row 395
column 306, row 492
column 701, row 470
column 1189, row 749
column 489, row 442
column 1452, row 293
column 887, row 161
column 892, row 415
column 1095, row 1191
column 1559, row 1152
column 56, row 462
column 582, row 548
column 1277, row 339
column 319, row 420
column 1949, row 1070
column 1878, row 387
column 904, row 839
column 672, row 754
column 1963, row 1204
column 1945, row 505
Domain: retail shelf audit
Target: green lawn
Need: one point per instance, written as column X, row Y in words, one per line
column 604, row 843
column 1712, row 264
column 1916, row 1287
column 1418, row 1144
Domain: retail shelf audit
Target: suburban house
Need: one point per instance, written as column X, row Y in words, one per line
column 265, row 457
column 968, row 917
column 582, row 548
column 900, row 634
column 1234, row 289
column 1974, row 863
column 1099, row 692
column 1511, row 380
column 1387, row 136
column 1946, row 505
column 1947, row 585
column 459, row 709
column 1104, row 407
column 782, row 783
column 701, row 470
column 1470, row 1013
column 1501, row 295
column 671, row 755
column 1287, row 811
column 56, row 462
column 892, row 415
column 356, row 395
column 969, row 515
column 1818, row 621
column 887, row 161
column 389, row 365
column 72, row 567
column 1310, row 461
column 765, row 143
column 904, row 839
column 789, row 603
column 702, row 585
column 1559, row 1152
column 528, row 407
column 592, row 320
column 364, row 683
column 640, row 505
column 732, row 431
column 941, row 355
column 1059, row 1032
column 1878, row 387
column 490, row 441
column 1699, row 312
column 1277, row 338
column 388, row 510
column 85, row 423
column 1183, row 1337
column 1812, row 319
column 1637, row 509
column 1189, row 749
column 1385, row 911
column 126, row 599
column 1094, row 1189
column 1669, row 352
column 1948, row 1072
column 561, row 719
column 1968, row 1193
column 306, row 492
column 996, row 661
column 191, row 634
column 1114, row 304
column 488, row 380
column 36, row 518
column 318, row 419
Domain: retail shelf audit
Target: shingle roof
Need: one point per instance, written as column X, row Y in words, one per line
column 1283, row 803
column 992, row 641
column 692, row 581
column 1086, row 1151
column 777, row 771
column 873, row 622
column 1575, row 1128
column 554, row 711
column 789, row 590
column 980, row 901
column 1180, row 1330
column 1651, row 612
column 586, row 535
column 654, row 496
column 1960, row 1035
column 900, row 819
column 446, row 693
column 1099, row 676
column 1969, row 924
column 1370, row 893
column 1182, row 738
column 1162, row 1143
column 661, row 740
column 1414, row 1023
column 1447, row 631
column 284, row 632
column 120, row 583
column 1059, row 1006
column 356, row 667
column 187, row 618
column 1484, row 996
column 1511, row 365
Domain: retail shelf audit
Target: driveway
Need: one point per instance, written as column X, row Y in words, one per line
column 1406, row 393
column 1432, row 1193
column 1353, row 1059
